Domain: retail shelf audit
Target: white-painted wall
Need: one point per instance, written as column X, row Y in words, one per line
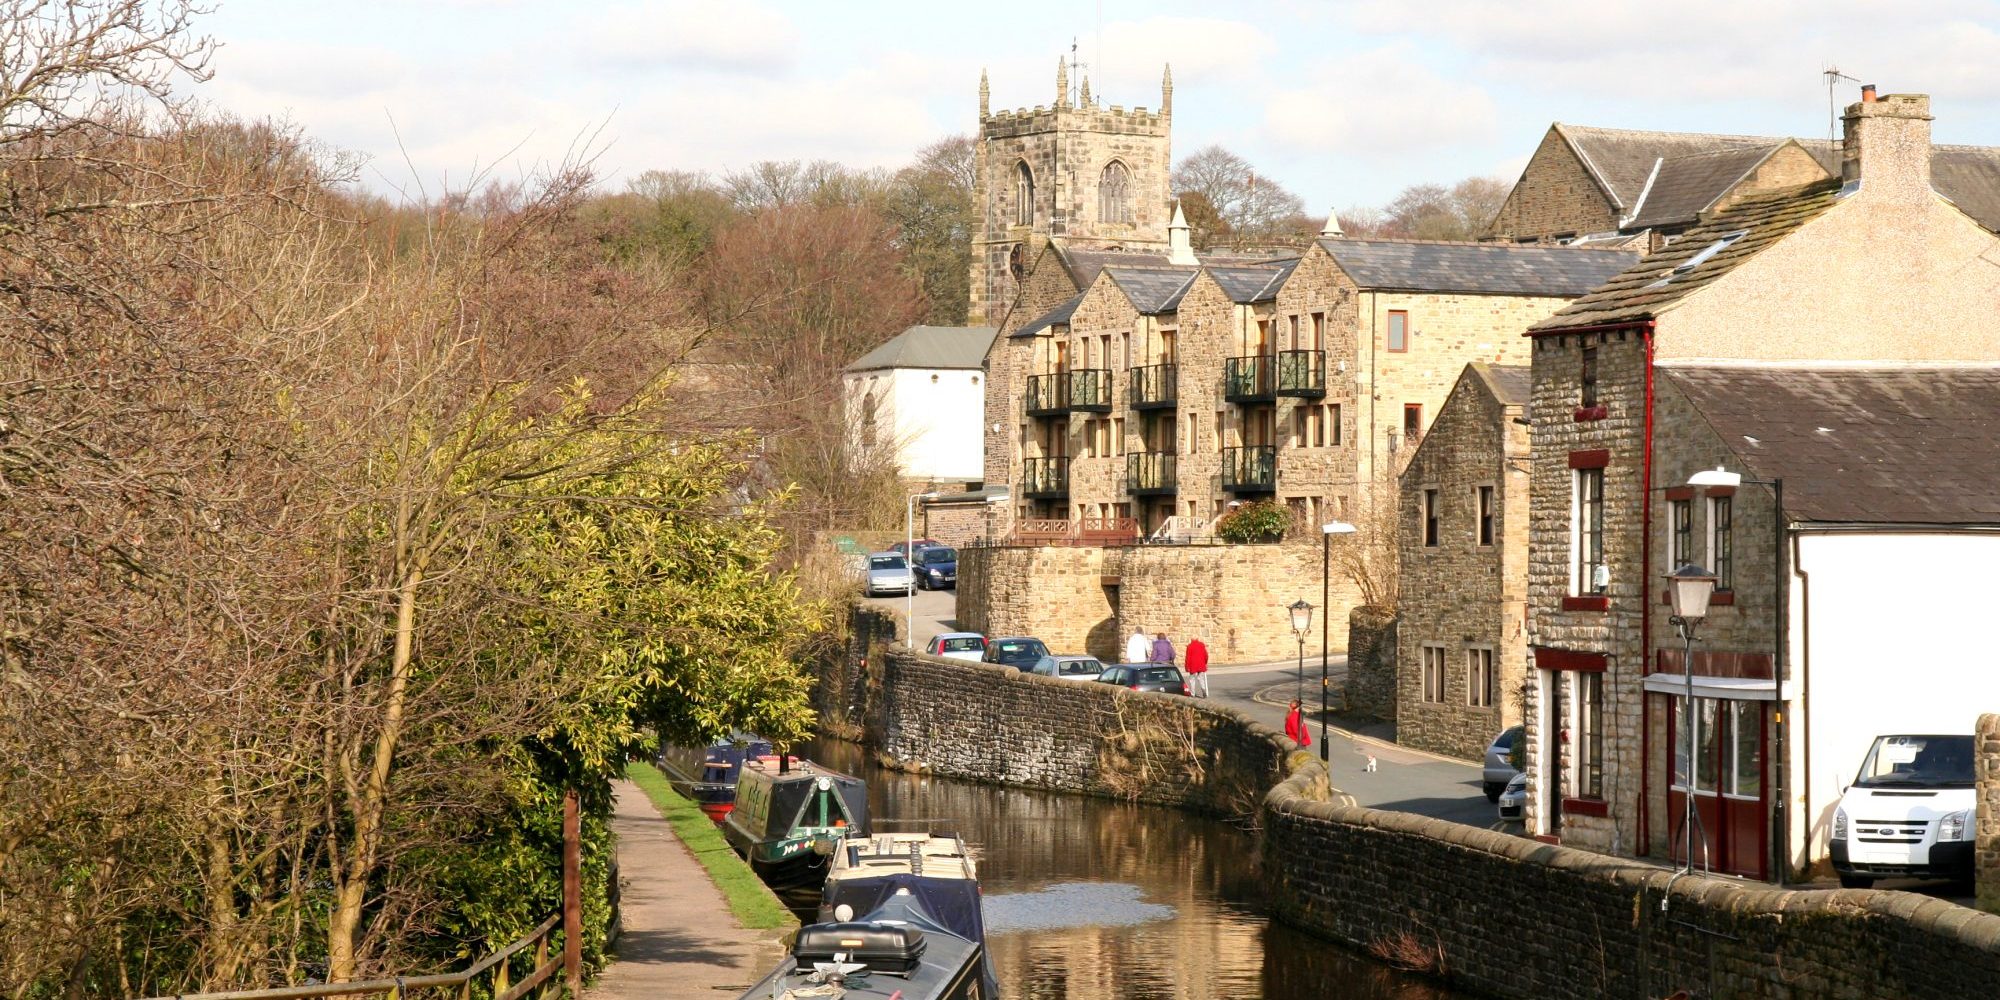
column 931, row 416
column 1894, row 633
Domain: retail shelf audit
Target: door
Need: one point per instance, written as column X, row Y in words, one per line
column 1550, row 781
column 1731, row 832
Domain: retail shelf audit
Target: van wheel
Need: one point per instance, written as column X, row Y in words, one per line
column 1856, row 882
column 1493, row 790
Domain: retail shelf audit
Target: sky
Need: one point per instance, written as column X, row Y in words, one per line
column 1344, row 102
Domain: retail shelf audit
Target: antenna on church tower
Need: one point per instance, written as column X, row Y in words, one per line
column 985, row 94
column 1167, row 91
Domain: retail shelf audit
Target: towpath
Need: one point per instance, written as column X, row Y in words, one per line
column 680, row 938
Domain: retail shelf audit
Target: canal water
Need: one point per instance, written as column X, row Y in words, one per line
column 1088, row 899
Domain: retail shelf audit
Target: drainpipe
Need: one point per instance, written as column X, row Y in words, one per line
column 1782, row 837
column 1645, row 846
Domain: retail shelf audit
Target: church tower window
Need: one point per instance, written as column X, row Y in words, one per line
column 1024, row 195
column 1114, row 194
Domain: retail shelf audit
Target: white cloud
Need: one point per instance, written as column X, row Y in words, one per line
column 739, row 37
column 1377, row 105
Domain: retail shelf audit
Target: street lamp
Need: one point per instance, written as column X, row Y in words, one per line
column 1688, row 591
column 1326, row 533
column 1780, row 610
column 1302, row 620
column 910, row 564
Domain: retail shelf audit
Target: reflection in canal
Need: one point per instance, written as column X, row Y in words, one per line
column 1088, row 899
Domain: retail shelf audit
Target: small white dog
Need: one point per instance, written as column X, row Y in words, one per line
column 1370, row 766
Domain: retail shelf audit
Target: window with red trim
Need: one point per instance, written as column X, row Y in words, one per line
column 1399, row 330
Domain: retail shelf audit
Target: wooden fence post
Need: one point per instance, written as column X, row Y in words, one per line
column 572, row 867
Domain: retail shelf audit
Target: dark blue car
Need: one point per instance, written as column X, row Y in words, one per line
column 937, row 567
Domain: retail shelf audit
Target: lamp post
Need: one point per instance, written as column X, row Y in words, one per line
column 1302, row 619
column 910, row 564
column 1326, row 533
column 1780, row 610
column 1688, row 590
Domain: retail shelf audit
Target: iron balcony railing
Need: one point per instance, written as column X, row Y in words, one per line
column 1149, row 473
column 1045, row 478
column 1249, row 379
column 1250, row 469
column 1085, row 390
column 1154, row 386
column 1302, row 374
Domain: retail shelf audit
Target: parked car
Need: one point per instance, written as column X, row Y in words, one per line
column 937, row 567
column 1514, row 798
column 1911, row 812
column 1145, row 677
column 1018, row 651
column 905, row 548
column 888, row 573
column 1069, row 668
column 958, row 646
column 1500, row 763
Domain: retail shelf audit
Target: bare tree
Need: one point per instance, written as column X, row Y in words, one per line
column 1245, row 204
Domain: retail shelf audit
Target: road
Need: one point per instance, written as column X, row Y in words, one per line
column 1403, row 779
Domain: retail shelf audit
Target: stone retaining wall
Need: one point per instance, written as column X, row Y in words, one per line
column 1499, row 914
column 1371, row 663
column 1986, row 852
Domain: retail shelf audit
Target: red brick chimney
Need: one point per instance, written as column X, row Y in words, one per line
column 1888, row 145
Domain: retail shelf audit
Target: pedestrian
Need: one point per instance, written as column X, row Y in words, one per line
column 1138, row 648
column 1163, row 651
column 1296, row 727
column 1197, row 668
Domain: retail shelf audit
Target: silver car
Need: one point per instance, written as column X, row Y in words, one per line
column 1514, row 799
column 1069, row 668
column 1500, row 763
column 889, row 573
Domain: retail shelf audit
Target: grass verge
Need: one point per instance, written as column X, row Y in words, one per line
column 749, row 898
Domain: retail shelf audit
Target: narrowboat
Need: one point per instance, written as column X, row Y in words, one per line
column 790, row 815
column 899, row 920
column 708, row 774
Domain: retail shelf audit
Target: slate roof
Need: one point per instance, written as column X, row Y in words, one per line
column 1053, row 317
column 1084, row 264
column 1905, row 445
column 930, row 347
column 1510, row 384
column 1245, row 285
column 1153, row 290
column 1621, row 160
column 1687, row 185
column 1656, row 283
column 1477, row 268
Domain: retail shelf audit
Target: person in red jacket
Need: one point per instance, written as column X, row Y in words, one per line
column 1296, row 727
column 1197, row 668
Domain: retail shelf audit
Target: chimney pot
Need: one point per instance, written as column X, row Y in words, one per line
column 1867, row 93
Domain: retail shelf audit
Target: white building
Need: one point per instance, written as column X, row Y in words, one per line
column 922, row 396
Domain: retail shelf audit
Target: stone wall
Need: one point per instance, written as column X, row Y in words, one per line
column 1371, row 663
column 1986, row 859
column 1511, row 917
column 1556, row 196
column 1502, row 915
column 1234, row 598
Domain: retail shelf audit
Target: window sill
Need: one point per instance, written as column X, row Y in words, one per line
column 1593, row 602
column 1586, row 807
column 1585, row 414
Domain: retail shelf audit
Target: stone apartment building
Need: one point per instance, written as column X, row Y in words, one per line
column 1462, row 645
column 1716, row 350
column 1585, row 182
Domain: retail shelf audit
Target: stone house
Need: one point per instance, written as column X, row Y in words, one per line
column 916, row 401
column 1462, row 645
column 1767, row 290
column 1583, row 181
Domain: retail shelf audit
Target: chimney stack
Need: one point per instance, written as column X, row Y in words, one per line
column 1887, row 146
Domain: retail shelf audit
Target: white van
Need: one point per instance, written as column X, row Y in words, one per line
column 1909, row 813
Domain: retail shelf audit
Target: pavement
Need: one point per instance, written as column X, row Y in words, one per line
column 680, row 938
column 1404, row 779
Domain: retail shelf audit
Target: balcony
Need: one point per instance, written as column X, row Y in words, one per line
column 1249, row 379
column 1154, row 387
column 1081, row 390
column 1045, row 478
column 1150, row 473
column 1251, row 469
column 1302, row 374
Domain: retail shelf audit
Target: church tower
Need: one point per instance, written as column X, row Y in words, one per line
column 1074, row 173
